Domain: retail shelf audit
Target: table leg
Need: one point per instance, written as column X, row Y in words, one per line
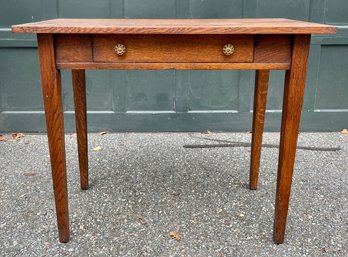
column 52, row 96
column 260, row 99
column 79, row 88
column 295, row 79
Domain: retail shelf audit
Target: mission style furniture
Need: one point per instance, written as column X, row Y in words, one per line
column 182, row 44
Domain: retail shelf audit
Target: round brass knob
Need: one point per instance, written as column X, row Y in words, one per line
column 120, row 49
column 228, row 49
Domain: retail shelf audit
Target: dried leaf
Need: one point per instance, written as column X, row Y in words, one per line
column 344, row 132
column 17, row 136
column 82, row 226
column 98, row 148
column 29, row 174
column 103, row 133
column 175, row 235
column 141, row 220
column 2, row 138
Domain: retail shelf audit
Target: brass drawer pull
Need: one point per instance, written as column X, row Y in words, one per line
column 228, row 49
column 120, row 49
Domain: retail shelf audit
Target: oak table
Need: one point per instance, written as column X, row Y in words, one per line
column 197, row 44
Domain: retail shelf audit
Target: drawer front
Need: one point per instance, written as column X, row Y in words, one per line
column 173, row 48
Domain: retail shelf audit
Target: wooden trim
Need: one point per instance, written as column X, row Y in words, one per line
column 175, row 66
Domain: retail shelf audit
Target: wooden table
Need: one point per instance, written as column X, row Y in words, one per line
column 216, row 44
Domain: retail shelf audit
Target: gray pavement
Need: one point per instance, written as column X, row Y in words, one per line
column 144, row 186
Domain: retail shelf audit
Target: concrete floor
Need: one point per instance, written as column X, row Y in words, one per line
column 144, row 186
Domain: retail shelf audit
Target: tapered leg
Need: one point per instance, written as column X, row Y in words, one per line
column 52, row 95
column 295, row 80
column 260, row 99
column 79, row 88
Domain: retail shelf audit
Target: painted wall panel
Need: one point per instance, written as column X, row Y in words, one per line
column 99, row 87
column 150, row 90
column 213, row 90
column 19, row 80
column 213, row 9
column 20, row 11
column 292, row 9
column 149, row 9
column 276, row 89
column 173, row 100
column 332, row 89
column 84, row 8
column 336, row 11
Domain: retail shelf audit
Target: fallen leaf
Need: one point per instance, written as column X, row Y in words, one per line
column 29, row 174
column 82, row 226
column 344, row 132
column 175, row 235
column 17, row 136
column 2, row 138
column 103, row 133
column 98, row 148
column 141, row 220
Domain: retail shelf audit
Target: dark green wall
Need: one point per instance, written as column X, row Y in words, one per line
column 173, row 100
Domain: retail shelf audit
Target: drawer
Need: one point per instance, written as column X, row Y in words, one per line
column 173, row 48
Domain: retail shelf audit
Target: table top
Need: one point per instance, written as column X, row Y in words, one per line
column 175, row 26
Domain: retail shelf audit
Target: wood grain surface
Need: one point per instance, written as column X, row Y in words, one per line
column 73, row 44
column 175, row 26
column 295, row 80
column 77, row 48
column 79, row 92
column 174, row 66
column 52, row 96
column 73, row 48
column 173, row 48
column 259, row 110
column 273, row 48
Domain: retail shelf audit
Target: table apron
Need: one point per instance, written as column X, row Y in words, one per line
column 179, row 52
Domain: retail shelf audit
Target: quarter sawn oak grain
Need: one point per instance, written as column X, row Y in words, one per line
column 80, row 44
column 260, row 99
column 174, row 26
column 79, row 92
column 52, row 96
column 295, row 80
column 173, row 48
